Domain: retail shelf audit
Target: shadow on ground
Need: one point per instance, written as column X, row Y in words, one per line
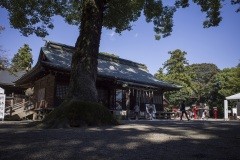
column 131, row 140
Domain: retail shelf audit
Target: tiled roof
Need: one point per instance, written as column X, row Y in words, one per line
column 60, row 57
column 7, row 78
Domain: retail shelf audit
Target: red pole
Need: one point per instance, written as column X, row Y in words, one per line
column 195, row 112
column 215, row 113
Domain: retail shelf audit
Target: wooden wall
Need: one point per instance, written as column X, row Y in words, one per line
column 44, row 89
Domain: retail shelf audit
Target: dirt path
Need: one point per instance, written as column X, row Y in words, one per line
column 158, row 139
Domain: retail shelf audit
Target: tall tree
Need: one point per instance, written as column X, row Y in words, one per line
column 225, row 83
column 177, row 73
column 4, row 62
column 23, row 59
column 228, row 81
column 202, row 77
column 35, row 17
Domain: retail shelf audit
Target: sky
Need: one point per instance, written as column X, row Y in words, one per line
column 218, row 45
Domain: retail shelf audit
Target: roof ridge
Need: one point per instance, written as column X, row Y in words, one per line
column 100, row 55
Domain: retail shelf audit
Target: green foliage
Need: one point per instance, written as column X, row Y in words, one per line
column 161, row 16
column 32, row 16
column 202, row 77
column 79, row 114
column 160, row 75
column 109, row 54
column 202, row 83
column 118, row 15
column 35, row 17
column 228, row 81
column 176, row 64
column 4, row 62
column 23, row 59
column 176, row 73
column 212, row 9
column 234, row 2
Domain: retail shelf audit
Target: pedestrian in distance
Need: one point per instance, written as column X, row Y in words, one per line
column 206, row 111
column 182, row 108
column 137, row 110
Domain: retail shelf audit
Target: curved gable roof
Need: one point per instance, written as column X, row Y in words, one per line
column 58, row 56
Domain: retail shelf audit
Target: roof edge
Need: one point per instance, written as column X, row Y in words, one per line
column 100, row 55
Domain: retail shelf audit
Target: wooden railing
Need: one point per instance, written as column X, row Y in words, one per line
column 25, row 105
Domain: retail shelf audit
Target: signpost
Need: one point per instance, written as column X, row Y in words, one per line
column 2, row 103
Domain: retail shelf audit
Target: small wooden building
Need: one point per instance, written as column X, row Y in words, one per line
column 7, row 80
column 13, row 92
column 116, row 77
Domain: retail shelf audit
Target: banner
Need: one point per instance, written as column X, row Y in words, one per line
column 2, row 106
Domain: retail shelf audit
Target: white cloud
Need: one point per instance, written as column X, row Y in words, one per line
column 111, row 35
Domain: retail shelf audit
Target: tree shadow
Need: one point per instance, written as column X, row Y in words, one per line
column 132, row 140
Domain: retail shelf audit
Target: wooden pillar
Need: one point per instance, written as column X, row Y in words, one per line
column 23, row 103
column 11, row 107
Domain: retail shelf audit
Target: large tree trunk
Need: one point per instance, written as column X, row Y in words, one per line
column 85, row 58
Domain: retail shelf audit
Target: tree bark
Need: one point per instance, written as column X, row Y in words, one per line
column 82, row 85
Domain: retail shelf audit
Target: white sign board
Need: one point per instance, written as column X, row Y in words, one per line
column 1, row 91
column 2, row 106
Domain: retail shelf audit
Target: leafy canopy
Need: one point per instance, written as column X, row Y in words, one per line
column 202, row 76
column 4, row 62
column 23, row 59
column 176, row 73
column 109, row 54
column 229, row 81
column 36, row 17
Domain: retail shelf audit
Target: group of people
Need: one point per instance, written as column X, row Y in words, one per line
column 150, row 111
column 202, row 111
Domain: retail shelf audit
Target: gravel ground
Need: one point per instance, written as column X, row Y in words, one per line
column 157, row 139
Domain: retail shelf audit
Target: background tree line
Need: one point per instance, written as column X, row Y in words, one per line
column 22, row 60
column 201, row 83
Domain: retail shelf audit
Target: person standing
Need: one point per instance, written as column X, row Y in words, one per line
column 151, row 111
column 183, row 110
column 201, row 112
column 206, row 111
column 128, row 93
column 137, row 110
